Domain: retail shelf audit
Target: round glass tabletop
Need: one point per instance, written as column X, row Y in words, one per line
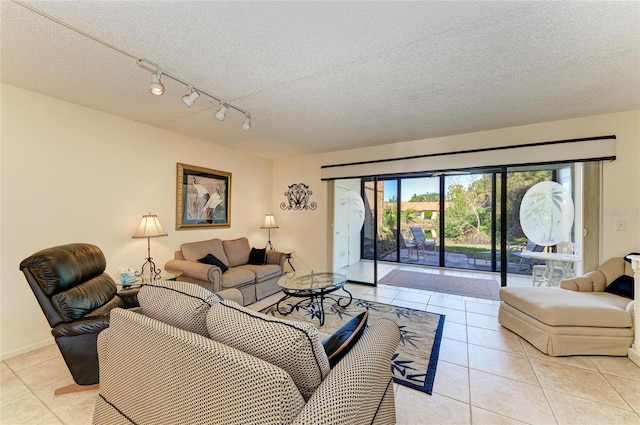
column 309, row 280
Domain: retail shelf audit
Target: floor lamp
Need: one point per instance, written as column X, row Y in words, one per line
column 150, row 227
column 269, row 223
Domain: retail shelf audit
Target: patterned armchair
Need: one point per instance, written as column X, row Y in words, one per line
column 199, row 360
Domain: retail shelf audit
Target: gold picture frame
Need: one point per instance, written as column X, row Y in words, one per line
column 203, row 198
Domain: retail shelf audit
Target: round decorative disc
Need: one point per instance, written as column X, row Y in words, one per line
column 546, row 213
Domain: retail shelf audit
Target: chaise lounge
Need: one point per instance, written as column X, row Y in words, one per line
column 587, row 315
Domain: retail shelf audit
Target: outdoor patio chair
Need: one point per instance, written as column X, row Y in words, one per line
column 524, row 263
column 421, row 241
column 404, row 245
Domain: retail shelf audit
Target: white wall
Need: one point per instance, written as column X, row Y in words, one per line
column 73, row 174
column 309, row 232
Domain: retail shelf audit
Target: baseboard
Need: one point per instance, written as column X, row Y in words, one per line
column 22, row 350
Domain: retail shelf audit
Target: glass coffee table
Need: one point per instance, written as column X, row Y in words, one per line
column 313, row 287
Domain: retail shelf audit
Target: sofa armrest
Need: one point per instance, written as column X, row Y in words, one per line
column 346, row 397
column 594, row 281
column 631, row 307
column 198, row 271
column 232, row 294
column 276, row 257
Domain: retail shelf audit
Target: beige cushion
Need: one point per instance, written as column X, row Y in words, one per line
column 237, row 277
column 292, row 346
column 237, row 251
column 194, row 251
column 180, row 304
column 264, row 272
column 559, row 307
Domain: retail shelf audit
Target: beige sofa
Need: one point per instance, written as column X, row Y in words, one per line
column 579, row 318
column 254, row 281
column 191, row 358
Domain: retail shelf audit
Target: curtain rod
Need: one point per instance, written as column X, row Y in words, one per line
column 496, row 148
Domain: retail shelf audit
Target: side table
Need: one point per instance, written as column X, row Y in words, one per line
column 130, row 292
column 141, row 280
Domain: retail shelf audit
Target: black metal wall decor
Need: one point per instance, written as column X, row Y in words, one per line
column 298, row 198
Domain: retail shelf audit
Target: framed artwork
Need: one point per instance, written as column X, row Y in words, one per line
column 203, row 198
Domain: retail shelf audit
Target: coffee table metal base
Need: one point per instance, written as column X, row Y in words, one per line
column 312, row 298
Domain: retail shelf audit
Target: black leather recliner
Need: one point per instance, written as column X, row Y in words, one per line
column 76, row 296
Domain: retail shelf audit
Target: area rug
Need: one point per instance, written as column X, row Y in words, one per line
column 414, row 364
column 465, row 286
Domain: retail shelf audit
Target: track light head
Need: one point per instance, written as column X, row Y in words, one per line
column 222, row 112
column 156, row 85
column 190, row 99
column 246, row 125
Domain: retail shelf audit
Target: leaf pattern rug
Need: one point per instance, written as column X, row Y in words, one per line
column 414, row 364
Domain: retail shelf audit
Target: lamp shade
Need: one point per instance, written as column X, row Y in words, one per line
column 150, row 227
column 269, row 222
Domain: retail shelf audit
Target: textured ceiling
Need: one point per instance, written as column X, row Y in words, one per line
column 325, row 76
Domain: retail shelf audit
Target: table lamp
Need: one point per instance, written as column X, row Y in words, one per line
column 150, row 227
column 269, row 223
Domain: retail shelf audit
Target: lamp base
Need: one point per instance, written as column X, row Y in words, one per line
column 154, row 272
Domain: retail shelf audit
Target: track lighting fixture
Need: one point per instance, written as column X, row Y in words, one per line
column 156, row 85
column 246, row 125
column 222, row 112
column 194, row 93
column 189, row 99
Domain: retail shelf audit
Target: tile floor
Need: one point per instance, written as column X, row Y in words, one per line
column 485, row 375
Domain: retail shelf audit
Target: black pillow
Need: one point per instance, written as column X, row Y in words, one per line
column 622, row 286
column 258, row 256
column 214, row 261
column 342, row 340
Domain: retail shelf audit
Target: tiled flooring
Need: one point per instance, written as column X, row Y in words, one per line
column 485, row 375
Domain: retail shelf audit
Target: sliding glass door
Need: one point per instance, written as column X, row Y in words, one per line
column 469, row 221
column 463, row 219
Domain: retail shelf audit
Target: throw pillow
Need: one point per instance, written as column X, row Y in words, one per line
column 292, row 346
column 622, row 286
column 180, row 304
column 191, row 251
column 342, row 340
column 214, row 261
column 258, row 256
